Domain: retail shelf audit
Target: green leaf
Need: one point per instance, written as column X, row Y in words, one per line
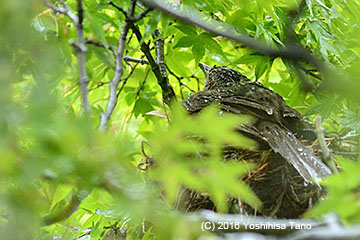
column 262, row 66
column 142, row 106
column 61, row 192
column 97, row 27
column 171, row 30
column 198, row 51
column 185, row 41
column 210, row 43
column 104, row 56
column 187, row 29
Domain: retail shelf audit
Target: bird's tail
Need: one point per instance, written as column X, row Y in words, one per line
column 303, row 159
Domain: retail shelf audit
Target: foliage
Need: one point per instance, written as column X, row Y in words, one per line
column 189, row 161
column 343, row 195
column 54, row 160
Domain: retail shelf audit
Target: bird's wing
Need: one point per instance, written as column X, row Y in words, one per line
column 199, row 100
column 303, row 159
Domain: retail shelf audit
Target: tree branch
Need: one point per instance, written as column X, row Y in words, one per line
column 118, row 8
column 142, row 14
column 97, row 44
column 292, row 52
column 119, row 69
column 127, row 78
column 81, row 55
column 136, row 60
column 80, row 46
column 65, row 10
column 179, row 81
column 167, row 90
column 160, row 57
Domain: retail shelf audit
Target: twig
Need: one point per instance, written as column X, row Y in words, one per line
column 292, row 52
column 118, row 8
column 80, row 46
column 97, row 44
column 304, row 80
column 65, row 10
column 126, row 79
column 142, row 14
column 324, row 148
column 99, row 85
column 136, row 60
column 179, row 80
column 119, row 69
column 310, row 72
column 137, row 94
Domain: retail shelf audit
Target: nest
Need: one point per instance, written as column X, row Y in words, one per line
column 281, row 189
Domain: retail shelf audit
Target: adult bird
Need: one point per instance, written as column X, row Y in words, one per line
column 277, row 127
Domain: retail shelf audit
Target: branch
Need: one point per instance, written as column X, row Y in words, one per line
column 292, row 52
column 97, row 44
column 179, row 81
column 65, row 10
column 137, row 94
column 167, row 90
column 136, row 60
column 310, row 72
column 304, row 80
column 81, row 55
column 127, row 78
column 80, row 46
column 142, row 14
column 160, row 57
column 144, row 61
column 119, row 69
column 132, row 18
column 118, row 8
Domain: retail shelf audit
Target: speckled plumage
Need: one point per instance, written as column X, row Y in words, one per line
column 277, row 129
column 277, row 124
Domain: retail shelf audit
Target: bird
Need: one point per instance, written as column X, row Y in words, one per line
column 277, row 127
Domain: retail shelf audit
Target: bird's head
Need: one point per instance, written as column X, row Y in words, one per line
column 220, row 77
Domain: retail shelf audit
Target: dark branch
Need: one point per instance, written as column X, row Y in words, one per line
column 167, row 90
column 310, row 72
column 160, row 57
column 118, row 8
column 179, row 81
column 304, row 80
column 97, row 44
column 142, row 14
column 292, row 52
column 127, row 78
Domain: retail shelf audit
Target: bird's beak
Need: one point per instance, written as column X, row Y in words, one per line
column 205, row 68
